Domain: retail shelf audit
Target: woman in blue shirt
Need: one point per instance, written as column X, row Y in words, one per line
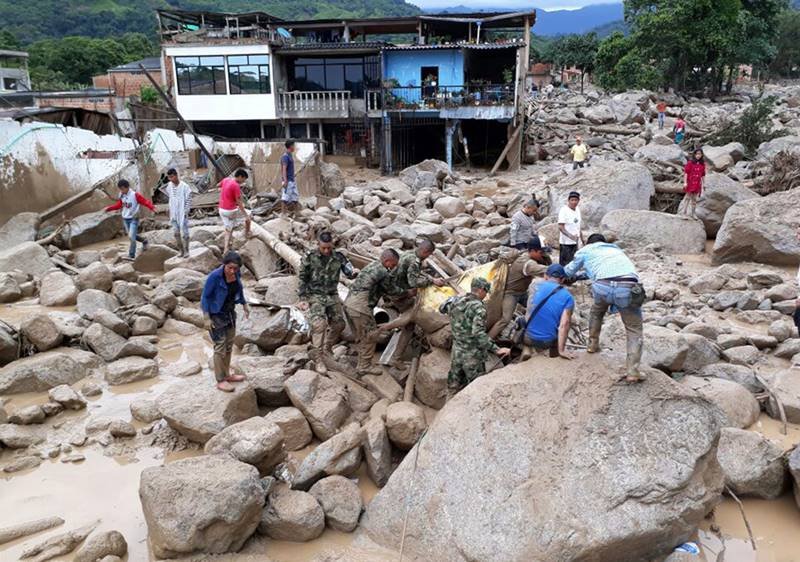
column 222, row 291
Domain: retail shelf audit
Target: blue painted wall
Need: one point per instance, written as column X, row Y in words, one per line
column 405, row 66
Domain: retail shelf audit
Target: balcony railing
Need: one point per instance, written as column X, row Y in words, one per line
column 421, row 98
column 335, row 103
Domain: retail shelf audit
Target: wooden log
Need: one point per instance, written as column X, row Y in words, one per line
column 282, row 249
column 503, row 154
column 21, row 530
column 408, row 392
column 612, row 130
column 446, row 263
column 355, row 218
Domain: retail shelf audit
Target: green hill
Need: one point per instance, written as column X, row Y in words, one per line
column 33, row 20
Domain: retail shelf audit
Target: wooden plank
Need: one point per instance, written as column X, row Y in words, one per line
column 71, row 201
column 503, row 154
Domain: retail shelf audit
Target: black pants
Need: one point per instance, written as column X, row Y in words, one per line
column 566, row 253
column 796, row 317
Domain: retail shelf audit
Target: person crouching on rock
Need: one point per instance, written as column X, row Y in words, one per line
column 222, row 291
column 471, row 343
column 549, row 316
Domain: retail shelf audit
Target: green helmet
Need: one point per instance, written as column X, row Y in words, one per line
column 481, row 283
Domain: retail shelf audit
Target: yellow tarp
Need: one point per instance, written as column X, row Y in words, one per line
column 430, row 298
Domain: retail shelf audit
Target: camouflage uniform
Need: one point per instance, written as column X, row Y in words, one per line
column 406, row 276
column 365, row 293
column 471, row 344
column 319, row 278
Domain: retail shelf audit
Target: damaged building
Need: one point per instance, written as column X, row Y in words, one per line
column 385, row 92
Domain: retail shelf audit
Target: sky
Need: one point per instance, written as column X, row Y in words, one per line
column 542, row 4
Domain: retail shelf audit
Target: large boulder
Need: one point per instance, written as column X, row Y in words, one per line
column 268, row 330
column 332, row 179
column 43, row 371
column 323, row 402
column 771, row 148
column 739, row 374
column 428, row 174
column 719, row 194
column 753, row 465
column 200, row 258
column 292, row 516
column 111, row 346
column 294, row 426
column 93, row 227
column 669, row 153
column 20, row 228
column 197, row 410
column 97, row 276
column 340, row 500
column 663, row 349
column 786, row 386
column 131, row 369
column 737, row 406
column 760, row 230
column 29, row 258
column 9, row 288
column 255, row 441
column 405, row 423
column 9, row 346
column 153, row 260
column 259, row 258
column 265, row 373
column 633, row 467
column 377, row 451
column 57, row 289
column 101, row 546
column 209, row 504
column 449, row 207
column 720, row 158
column 430, row 386
column 41, row 331
column 676, row 235
column 794, row 470
column 92, row 300
column 341, row 454
column 604, row 187
column 185, row 283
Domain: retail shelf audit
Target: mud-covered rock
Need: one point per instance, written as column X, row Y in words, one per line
column 57, row 289
column 753, row 465
column 256, row 441
column 341, row 502
column 323, row 403
column 291, row 515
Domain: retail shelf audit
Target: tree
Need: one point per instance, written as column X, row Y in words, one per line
column 618, row 66
column 8, row 41
column 787, row 57
column 575, row 50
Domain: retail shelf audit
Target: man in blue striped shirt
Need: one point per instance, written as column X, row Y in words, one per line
column 615, row 283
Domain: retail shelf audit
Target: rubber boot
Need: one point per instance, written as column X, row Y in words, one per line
column 594, row 337
column 185, row 247
column 527, row 353
column 179, row 243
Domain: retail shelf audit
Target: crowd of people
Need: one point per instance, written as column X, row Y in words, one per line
column 533, row 284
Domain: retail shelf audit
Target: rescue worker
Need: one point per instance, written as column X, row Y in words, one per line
column 523, row 225
column 471, row 343
column 615, row 283
column 408, row 276
column 521, row 273
column 365, row 293
column 319, row 279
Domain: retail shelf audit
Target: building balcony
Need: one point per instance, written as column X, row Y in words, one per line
column 314, row 104
column 484, row 101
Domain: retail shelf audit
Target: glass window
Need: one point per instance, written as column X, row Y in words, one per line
column 249, row 74
column 200, row 75
column 334, row 77
column 350, row 73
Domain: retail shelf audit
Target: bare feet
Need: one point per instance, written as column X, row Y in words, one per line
column 225, row 386
column 234, row 378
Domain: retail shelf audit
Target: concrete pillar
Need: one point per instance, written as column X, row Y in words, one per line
column 321, row 138
column 388, row 166
column 449, row 129
column 308, row 129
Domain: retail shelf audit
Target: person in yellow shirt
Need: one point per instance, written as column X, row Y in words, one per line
column 579, row 152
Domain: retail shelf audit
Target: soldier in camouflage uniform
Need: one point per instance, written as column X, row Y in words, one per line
column 471, row 344
column 408, row 276
column 319, row 278
column 365, row 293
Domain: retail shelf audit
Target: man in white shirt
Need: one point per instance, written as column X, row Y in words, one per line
column 180, row 202
column 569, row 225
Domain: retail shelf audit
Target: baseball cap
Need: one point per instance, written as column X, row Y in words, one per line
column 481, row 283
column 536, row 244
column 574, row 194
column 557, row 271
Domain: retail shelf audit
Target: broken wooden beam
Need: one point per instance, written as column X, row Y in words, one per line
column 21, row 530
column 281, row 248
column 408, row 391
column 71, row 201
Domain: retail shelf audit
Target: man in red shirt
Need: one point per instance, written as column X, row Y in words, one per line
column 231, row 206
column 661, row 108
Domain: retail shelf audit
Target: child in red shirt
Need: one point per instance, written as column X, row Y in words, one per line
column 694, row 174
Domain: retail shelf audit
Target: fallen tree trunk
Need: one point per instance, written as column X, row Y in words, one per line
column 281, row 248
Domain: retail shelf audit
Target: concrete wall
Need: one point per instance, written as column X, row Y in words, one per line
column 40, row 166
column 222, row 107
column 405, row 66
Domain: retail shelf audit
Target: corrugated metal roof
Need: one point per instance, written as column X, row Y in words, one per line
column 151, row 63
column 480, row 46
column 352, row 46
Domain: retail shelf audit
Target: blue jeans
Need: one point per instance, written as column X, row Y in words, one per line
column 618, row 297
column 132, row 228
column 660, row 120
